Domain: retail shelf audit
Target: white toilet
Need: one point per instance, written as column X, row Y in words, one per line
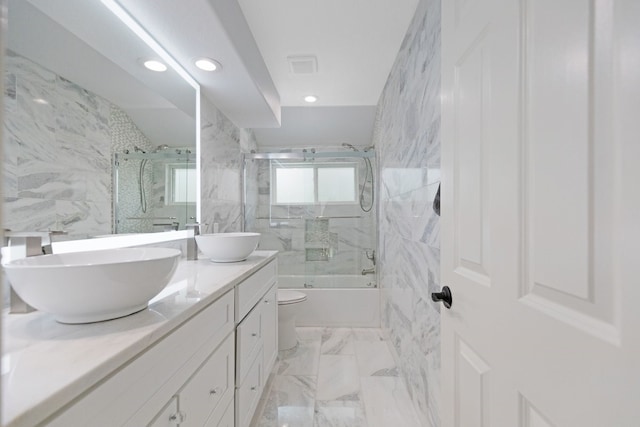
column 288, row 305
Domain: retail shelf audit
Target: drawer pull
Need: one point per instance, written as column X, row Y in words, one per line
column 254, row 388
column 267, row 301
column 215, row 390
column 254, row 334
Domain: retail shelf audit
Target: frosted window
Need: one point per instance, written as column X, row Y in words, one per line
column 294, row 185
column 336, row 184
column 184, row 187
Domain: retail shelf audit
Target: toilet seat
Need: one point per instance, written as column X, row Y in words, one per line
column 287, row 296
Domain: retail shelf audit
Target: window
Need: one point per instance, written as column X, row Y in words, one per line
column 296, row 183
column 180, row 183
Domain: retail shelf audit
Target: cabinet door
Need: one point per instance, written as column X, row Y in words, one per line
column 169, row 416
column 227, row 420
column 211, row 388
column 249, row 341
column 249, row 392
column 270, row 329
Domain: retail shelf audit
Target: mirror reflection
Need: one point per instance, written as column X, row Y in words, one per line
column 94, row 143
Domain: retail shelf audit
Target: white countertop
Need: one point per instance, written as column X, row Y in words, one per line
column 46, row 364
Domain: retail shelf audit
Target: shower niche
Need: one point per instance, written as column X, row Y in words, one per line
column 154, row 191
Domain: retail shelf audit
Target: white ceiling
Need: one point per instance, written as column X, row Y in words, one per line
column 355, row 42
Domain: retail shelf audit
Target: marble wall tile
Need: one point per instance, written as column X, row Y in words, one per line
column 58, row 147
column 221, row 175
column 407, row 140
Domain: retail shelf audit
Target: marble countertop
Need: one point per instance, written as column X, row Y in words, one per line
column 46, row 364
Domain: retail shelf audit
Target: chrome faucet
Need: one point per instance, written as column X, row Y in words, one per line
column 192, row 247
column 21, row 245
column 26, row 244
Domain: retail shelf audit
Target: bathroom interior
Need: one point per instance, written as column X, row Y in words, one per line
column 343, row 188
column 110, row 151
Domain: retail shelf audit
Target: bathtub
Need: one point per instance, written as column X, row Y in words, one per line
column 336, row 300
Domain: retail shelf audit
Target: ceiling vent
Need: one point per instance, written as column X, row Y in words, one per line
column 303, row 64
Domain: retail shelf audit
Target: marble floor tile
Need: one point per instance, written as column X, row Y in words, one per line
column 339, row 413
column 367, row 334
column 337, row 341
column 338, row 378
column 309, row 333
column 387, row 402
column 302, row 360
column 375, row 359
column 291, row 402
column 311, row 389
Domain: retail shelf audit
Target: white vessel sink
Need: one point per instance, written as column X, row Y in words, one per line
column 85, row 287
column 228, row 247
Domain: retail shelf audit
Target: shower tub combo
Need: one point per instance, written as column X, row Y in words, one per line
column 336, row 300
column 317, row 208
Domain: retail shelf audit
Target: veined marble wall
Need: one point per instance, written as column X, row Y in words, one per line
column 57, row 153
column 221, row 145
column 59, row 141
column 407, row 138
column 308, row 245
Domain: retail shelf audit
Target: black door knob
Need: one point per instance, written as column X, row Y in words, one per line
column 444, row 296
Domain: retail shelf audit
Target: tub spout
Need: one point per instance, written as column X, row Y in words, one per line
column 366, row 271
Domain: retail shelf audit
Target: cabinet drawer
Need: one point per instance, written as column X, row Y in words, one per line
column 248, row 394
column 211, row 388
column 249, row 292
column 248, row 341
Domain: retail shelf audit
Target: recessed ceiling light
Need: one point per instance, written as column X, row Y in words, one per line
column 154, row 65
column 40, row 101
column 310, row 99
column 207, row 64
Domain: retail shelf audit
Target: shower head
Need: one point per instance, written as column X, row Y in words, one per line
column 345, row 145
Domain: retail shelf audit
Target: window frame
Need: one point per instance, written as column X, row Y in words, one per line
column 169, row 186
column 315, row 166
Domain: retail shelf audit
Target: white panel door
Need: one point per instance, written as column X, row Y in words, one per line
column 541, row 213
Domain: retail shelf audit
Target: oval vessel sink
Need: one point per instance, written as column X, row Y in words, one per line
column 228, row 247
column 86, row 287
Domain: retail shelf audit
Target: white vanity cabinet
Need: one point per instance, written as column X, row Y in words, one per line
column 209, row 371
column 256, row 339
column 209, row 391
column 171, row 381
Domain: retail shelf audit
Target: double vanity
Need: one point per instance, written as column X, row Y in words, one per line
column 199, row 355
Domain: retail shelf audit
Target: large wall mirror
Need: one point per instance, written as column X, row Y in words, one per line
column 95, row 143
